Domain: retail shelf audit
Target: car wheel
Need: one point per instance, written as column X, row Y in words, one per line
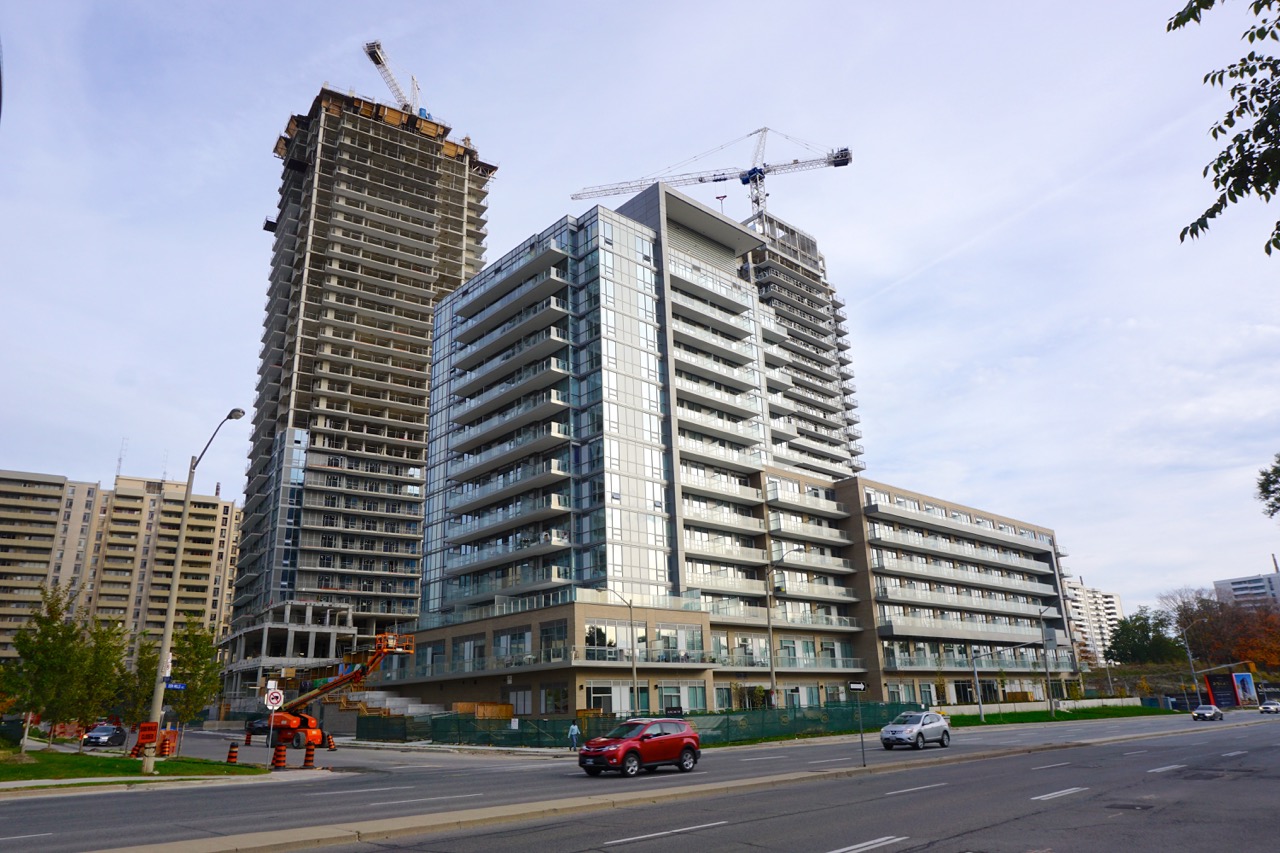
column 299, row 740
column 630, row 764
column 592, row 771
column 918, row 743
column 687, row 761
column 945, row 740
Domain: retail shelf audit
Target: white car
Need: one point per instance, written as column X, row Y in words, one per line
column 1271, row 706
column 915, row 729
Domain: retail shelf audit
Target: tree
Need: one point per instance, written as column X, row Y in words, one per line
column 1143, row 638
column 102, row 662
column 1269, row 488
column 50, row 654
column 196, row 665
column 1250, row 163
column 139, row 684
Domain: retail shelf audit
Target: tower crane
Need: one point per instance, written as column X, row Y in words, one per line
column 753, row 176
column 374, row 51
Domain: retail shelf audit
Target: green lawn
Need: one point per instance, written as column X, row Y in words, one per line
column 994, row 717
column 42, row 764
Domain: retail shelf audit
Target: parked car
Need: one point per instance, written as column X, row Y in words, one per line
column 915, row 729
column 642, row 743
column 1207, row 712
column 1271, row 706
column 260, row 726
column 105, row 735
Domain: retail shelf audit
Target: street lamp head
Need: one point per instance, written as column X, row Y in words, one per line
column 235, row 414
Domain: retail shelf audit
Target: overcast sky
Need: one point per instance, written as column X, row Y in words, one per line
column 1030, row 337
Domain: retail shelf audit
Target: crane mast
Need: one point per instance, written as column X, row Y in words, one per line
column 374, row 51
column 752, row 177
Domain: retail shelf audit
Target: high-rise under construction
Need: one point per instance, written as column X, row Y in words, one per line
column 380, row 215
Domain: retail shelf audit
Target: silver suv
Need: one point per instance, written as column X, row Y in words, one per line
column 915, row 729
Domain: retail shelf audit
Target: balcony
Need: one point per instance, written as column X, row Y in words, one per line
column 529, row 443
column 742, row 405
column 535, row 408
column 530, row 320
column 812, row 560
column 725, row 457
column 806, row 503
column 495, row 554
column 880, row 535
column 540, row 257
column 990, row 580
column 522, row 512
column 957, row 629
column 779, row 524
column 720, row 488
column 533, row 377
column 724, row 551
column 960, row 528
column 722, row 519
column 983, row 604
column 464, row 590
column 521, row 479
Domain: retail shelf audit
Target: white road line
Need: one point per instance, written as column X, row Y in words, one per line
column 765, row 758
column 1135, row 752
column 426, row 800
column 16, row 837
column 829, row 760
column 873, row 844
column 1047, row 766
column 358, row 791
column 921, row 788
column 668, row 832
column 1169, row 767
column 1237, row 752
column 1061, row 793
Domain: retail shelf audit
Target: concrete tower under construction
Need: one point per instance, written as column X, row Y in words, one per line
column 381, row 214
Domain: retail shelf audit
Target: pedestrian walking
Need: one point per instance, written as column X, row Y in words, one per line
column 574, row 731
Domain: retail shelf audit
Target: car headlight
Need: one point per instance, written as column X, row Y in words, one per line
column 611, row 747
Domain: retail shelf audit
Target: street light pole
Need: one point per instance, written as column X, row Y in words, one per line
column 166, row 636
column 768, row 621
column 635, row 650
column 977, row 687
column 1044, row 651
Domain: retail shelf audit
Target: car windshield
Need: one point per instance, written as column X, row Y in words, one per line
column 908, row 719
column 626, row 730
column 1206, row 708
column 103, row 730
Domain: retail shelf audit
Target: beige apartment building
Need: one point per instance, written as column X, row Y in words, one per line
column 951, row 591
column 113, row 550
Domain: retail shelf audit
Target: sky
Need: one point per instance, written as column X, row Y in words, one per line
column 1030, row 337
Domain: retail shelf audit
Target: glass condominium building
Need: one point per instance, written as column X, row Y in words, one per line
column 638, row 418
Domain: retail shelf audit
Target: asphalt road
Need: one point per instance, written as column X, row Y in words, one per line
column 367, row 784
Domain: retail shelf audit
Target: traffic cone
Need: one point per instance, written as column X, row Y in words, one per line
column 309, row 757
column 135, row 751
column 278, row 760
column 333, row 747
column 233, row 753
column 248, row 739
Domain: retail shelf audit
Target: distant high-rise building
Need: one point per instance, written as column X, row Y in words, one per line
column 1094, row 616
column 113, row 551
column 381, row 214
column 1252, row 589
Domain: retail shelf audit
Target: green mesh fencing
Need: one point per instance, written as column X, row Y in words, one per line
column 714, row 729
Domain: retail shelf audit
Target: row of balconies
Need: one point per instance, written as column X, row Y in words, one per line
column 991, row 580
column 881, row 535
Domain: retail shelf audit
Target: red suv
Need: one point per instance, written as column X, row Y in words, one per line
column 642, row 743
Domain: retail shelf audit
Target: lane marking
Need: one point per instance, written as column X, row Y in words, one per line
column 426, row 799
column 358, row 791
column 1169, row 767
column 1047, row 766
column 16, row 837
column 921, row 788
column 765, row 758
column 873, row 844
column 1237, row 752
column 668, row 832
column 1061, row 793
column 829, row 760
column 1135, row 752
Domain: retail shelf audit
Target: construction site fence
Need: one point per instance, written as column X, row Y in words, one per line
column 714, row 728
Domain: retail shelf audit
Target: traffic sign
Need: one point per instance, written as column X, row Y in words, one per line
column 274, row 699
column 857, row 686
column 175, row 685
